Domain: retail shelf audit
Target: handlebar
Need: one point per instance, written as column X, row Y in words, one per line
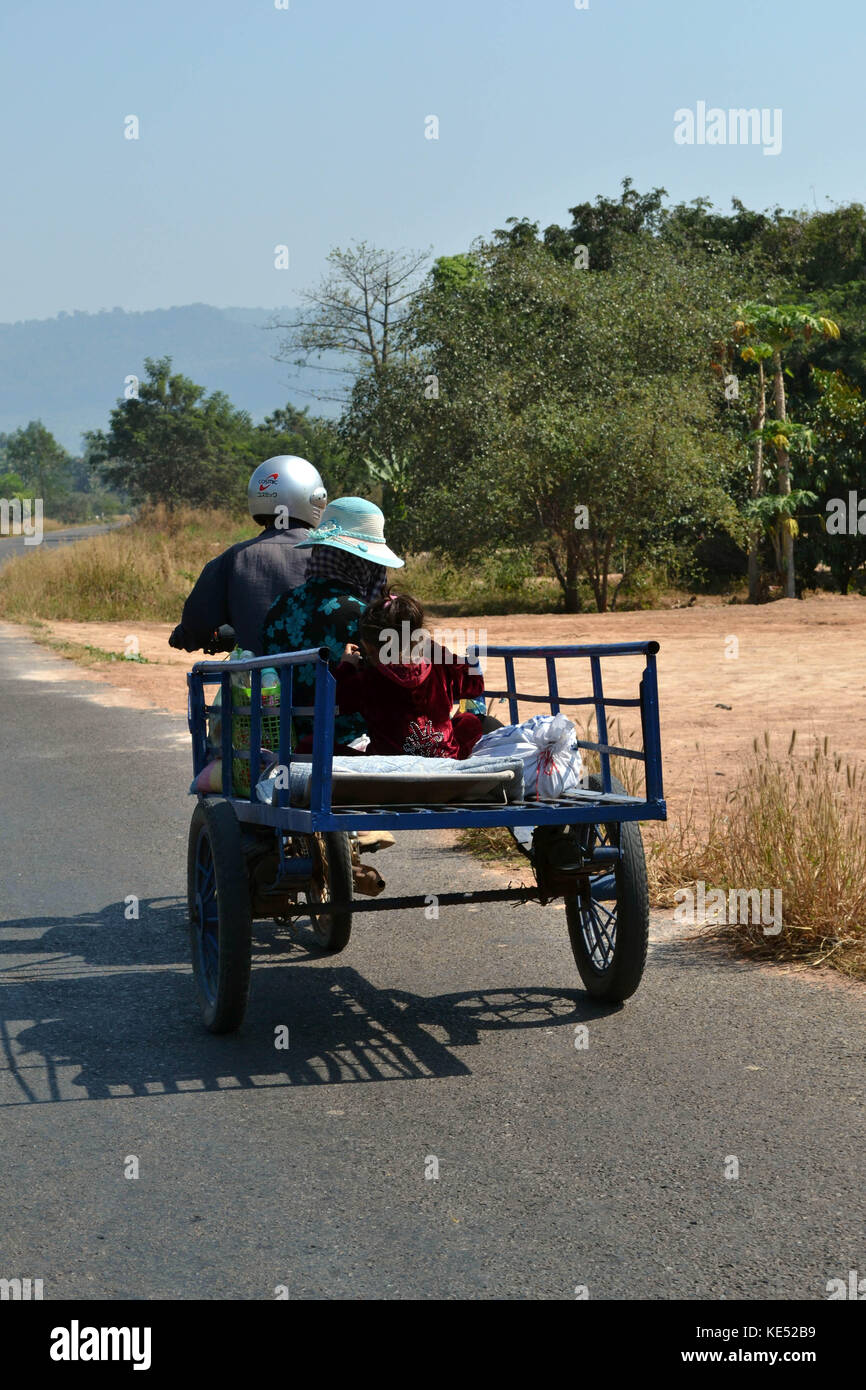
column 222, row 640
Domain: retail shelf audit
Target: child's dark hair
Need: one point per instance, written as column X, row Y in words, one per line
column 390, row 611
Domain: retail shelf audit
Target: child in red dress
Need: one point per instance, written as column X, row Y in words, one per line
column 406, row 686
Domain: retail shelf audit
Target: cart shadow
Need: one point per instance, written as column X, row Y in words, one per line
column 101, row 1007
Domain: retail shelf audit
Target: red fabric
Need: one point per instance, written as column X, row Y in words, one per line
column 408, row 708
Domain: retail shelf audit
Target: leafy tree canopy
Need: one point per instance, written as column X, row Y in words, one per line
column 175, row 444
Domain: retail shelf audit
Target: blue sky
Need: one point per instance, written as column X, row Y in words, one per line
column 305, row 126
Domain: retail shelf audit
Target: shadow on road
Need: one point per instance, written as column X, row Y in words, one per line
column 99, row 1007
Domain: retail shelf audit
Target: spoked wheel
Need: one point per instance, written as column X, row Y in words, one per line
column 331, row 883
column 220, row 924
column 608, row 919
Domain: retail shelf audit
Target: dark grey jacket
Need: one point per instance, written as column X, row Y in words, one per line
column 239, row 586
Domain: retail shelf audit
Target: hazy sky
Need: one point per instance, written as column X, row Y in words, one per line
column 305, row 126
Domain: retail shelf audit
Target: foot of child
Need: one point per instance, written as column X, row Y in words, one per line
column 367, row 880
column 369, row 841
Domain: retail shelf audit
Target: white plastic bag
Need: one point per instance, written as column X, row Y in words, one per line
column 547, row 744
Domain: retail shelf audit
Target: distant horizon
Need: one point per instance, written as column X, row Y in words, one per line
column 156, row 309
column 68, row 370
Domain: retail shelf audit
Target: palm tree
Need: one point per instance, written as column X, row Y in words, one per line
column 772, row 328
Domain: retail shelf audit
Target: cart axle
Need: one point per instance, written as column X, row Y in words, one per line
column 602, row 889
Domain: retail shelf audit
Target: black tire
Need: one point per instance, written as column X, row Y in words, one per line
column 609, row 940
column 220, row 920
column 332, row 872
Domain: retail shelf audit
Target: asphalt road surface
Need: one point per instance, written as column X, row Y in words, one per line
column 558, row 1167
column 17, row 545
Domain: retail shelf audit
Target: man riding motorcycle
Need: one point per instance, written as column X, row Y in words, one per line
column 234, row 591
column 286, row 498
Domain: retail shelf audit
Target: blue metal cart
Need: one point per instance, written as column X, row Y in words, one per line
column 249, row 860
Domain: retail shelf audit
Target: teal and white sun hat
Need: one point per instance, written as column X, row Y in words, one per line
column 355, row 525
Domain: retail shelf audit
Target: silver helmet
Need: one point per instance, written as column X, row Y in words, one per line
column 290, row 484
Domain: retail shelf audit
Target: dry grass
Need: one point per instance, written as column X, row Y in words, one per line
column 143, row 571
column 146, row 570
column 795, row 822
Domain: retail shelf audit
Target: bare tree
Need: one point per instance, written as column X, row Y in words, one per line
column 355, row 312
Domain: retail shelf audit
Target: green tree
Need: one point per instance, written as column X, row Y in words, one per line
column 754, row 408
column 44, row 465
column 289, row 430
column 776, row 327
column 600, row 226
column 175, row 444
column 11, row 485
column 559, row 391
column 839, row 420
column 519, row 363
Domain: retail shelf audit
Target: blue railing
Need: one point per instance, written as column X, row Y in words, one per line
column 322, row 711
column 646, row 702
column 321, row 816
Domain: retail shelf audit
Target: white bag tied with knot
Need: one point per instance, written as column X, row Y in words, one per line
column 547, row 743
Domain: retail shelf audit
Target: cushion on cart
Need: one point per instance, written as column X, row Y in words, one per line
column 404, row 781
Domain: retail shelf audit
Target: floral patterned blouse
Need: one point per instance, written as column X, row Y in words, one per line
column 319, row 613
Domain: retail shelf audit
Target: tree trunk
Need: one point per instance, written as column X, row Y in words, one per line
column 784, row 470
column 567, row 578
column 605, row 566
column 757, row 488
column 595, row 575
column 572, row 601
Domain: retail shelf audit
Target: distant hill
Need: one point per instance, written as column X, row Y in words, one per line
column 69, row 371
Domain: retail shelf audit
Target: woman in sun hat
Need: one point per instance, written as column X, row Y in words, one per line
column 349, row 545
column 349, row 565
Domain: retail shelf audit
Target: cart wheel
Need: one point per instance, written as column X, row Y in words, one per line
column 220, row 923
column 609, row 937
column 332, row 882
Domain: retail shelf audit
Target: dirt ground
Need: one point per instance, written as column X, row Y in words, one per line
column 786, row 665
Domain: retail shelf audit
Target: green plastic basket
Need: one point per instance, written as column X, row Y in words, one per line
column 242, row 729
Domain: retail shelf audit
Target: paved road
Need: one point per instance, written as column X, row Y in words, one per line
column 15, row 545
column 558, row 1167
